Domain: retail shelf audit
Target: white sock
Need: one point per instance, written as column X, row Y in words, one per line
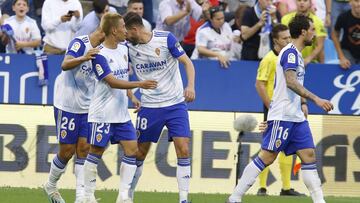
column 79, row 173
column 138, row 172
column 127, row 172
column 312, row 182
column 90, row 174
column 251, row 171
column 56, row 170
column 183, row 174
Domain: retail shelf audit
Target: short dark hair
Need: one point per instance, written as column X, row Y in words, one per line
column 14, row 2
column 99, row 5
column 277, row 28
column 214, row 10
column 297, row 24
column 134, row 1
column 133, row 19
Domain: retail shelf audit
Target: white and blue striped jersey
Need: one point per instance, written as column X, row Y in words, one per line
column 286, row 104
column 157, row 60
column 110, row 105
column 73, row 88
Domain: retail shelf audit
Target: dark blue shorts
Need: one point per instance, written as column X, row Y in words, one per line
column 70, row 126
column 102, row 133
column 287, row 136
column 151, row 121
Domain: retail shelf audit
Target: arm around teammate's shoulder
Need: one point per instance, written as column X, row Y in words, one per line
column 123, row 84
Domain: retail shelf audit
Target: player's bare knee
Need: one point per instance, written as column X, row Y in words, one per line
column 141, row 155
column 131, row 151
column 66, row 151
column 96, row 150
column 82, row 150
column 307, row 155
column 183, row 151
column 267, row 157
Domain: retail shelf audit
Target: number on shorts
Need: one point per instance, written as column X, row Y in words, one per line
column 66, row 124
column 282, row 134
column 141, row 123
column 101, row 125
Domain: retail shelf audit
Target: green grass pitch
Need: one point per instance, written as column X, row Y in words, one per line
column 18, row 195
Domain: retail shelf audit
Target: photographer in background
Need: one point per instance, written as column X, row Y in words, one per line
column 60, row 20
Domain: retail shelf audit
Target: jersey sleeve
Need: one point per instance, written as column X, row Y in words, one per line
column 100, row 67
column 76, row 48
column 289, row 60
column 174, row 46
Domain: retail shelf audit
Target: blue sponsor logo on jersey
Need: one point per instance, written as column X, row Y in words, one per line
column 120, row 73
column 300, row 74
column 86, row 70
column 146, row 67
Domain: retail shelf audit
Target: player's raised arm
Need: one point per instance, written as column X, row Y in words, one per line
column 103, row 72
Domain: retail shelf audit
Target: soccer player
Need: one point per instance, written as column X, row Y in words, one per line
column 156, row 55
column 288, row 129
column 73, row 90
column 108, row 113
column 264, row 86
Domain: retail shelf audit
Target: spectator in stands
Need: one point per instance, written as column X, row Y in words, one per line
column 335, row 7
column 7, row 10
column 148, row 12
column 2, row 46
column 188, row 43
column 237, row 3
column 92, row 20
column 236, row 27
column 314, row 53
column 257, row 20
column 174, row 16
column 214, row 38
column 286, row 6
column 25, row 32
column 320, row 7
column 119, row 5
column 60, row 20
column 349, row 22
column 137, row 6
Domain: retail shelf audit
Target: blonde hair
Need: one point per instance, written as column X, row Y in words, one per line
column 109, row 21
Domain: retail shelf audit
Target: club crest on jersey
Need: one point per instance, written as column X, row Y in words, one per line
column 98, row 137
column 291, row 58
column 75, row 47
column 99, row 69
column 157, row 51
column 278, row 143
column 179, row 47
column 63, row 134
